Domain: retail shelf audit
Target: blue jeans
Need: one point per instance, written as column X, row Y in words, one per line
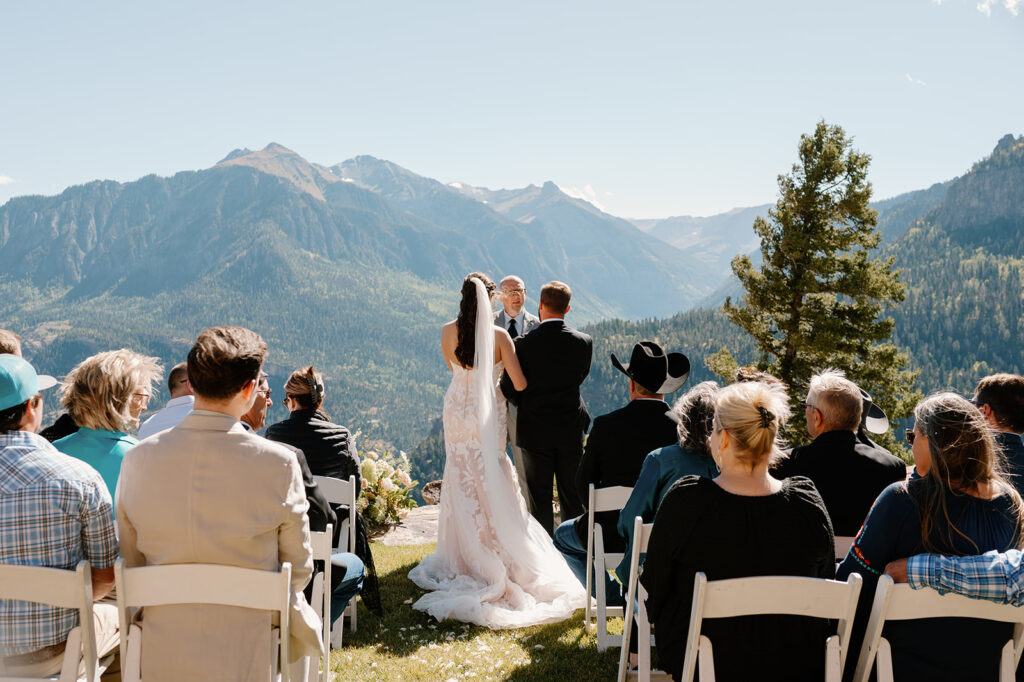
column 575, row 554
column 347, row 573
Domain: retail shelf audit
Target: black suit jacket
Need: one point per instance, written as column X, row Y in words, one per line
column 555, row 359
column 1013, row 452
column 618, row 444
column 848, row 473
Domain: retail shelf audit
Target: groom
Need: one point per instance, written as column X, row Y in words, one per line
column 551, row 415
column 514, row 318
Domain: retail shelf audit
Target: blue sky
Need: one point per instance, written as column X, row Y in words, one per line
column 660, row 108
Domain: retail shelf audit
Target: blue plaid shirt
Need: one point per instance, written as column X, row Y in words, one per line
column 995, row 576
column 54, row 511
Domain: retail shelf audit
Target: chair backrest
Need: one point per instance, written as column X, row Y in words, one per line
column 341, row 491
column 57, row 587
column 760, row 595
column 205, row 584
column 900, row 602
column 612, row 498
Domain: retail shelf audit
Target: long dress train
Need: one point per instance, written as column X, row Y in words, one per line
column 494, row 564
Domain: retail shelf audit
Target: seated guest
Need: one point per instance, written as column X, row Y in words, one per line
column 691, row 456
column 330, row 450
column 960, row 505
column 176, row 408
column 615, row 451
column 742, row 523
column 209, row 491
column 848, row 474
column 54, row 511
column 10, row 343
column 347, row 574
column 105, row 394
column 1000, row 397
column 320, row 513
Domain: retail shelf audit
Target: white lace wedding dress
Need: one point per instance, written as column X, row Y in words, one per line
column 494, row 564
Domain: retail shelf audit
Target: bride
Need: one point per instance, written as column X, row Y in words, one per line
column 494, row 565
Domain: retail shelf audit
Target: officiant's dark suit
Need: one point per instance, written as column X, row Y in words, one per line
column 551, row 415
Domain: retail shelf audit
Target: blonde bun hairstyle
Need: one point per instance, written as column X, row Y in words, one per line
column 754, row 413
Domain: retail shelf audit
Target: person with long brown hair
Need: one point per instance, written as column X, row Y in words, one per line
column 494, row 564
column 962, row 504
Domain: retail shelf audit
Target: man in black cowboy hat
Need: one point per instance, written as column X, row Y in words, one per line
column 618, row 443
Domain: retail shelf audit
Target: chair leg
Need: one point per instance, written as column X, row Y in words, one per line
column 833, row 669
column 706, row 660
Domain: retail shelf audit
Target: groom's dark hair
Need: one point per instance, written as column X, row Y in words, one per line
column 556, row 296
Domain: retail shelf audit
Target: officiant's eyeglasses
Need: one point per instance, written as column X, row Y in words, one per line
column 509, row 292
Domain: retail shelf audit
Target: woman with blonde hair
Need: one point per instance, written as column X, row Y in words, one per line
column 104, row 395
column 961, row 504
column 741, row 523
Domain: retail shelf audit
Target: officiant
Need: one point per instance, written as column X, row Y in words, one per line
column 514, row 318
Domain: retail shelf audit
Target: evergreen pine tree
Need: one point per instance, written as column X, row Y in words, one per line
column 818, row 297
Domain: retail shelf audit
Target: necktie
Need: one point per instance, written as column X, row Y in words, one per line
column 512, row 331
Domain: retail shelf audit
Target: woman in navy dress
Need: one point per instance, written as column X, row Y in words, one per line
column 960, row 505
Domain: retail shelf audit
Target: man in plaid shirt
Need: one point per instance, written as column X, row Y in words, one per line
column 995, row 576
column 54, row 511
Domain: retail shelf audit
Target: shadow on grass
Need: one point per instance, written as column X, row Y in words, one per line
column 568, row 653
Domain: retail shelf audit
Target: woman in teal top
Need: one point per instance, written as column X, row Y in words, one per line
column 105, row 394
column 695, row 411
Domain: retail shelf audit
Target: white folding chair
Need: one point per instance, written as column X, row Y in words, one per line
column 67, row 589
column 900, row 602
column 843, row 545
column 600, row 562
column 322, row 543
column 755, row 596
column 339, row 491
column 637, row 595
column 201, row 584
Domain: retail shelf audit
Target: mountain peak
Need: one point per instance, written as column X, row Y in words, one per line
column 275, row 148
column 276, row 159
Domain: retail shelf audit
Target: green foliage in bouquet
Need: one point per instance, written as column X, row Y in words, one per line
column 387, row 488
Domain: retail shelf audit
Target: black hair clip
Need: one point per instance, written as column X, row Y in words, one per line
column 766, row 417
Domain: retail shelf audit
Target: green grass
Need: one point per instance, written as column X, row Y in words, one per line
column 405, row 644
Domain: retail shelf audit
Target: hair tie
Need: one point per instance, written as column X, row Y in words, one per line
column 766, row 417
column 316, row 390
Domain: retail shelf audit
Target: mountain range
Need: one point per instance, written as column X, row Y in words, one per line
column 353, row 267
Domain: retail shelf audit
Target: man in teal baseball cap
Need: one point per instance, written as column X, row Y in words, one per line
column 55, row 511
column 19, row 385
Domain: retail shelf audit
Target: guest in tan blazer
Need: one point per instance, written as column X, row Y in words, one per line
column 209, row 491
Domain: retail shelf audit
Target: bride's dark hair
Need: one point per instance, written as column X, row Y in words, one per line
column 466, row 322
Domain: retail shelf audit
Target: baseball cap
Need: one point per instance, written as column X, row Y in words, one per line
column 19, row 381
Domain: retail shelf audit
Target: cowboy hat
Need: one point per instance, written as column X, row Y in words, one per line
column 650, row 367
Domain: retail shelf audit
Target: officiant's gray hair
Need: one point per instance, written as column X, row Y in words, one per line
column 696, row 412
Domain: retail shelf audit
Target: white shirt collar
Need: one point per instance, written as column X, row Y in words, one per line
column 553, row 319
